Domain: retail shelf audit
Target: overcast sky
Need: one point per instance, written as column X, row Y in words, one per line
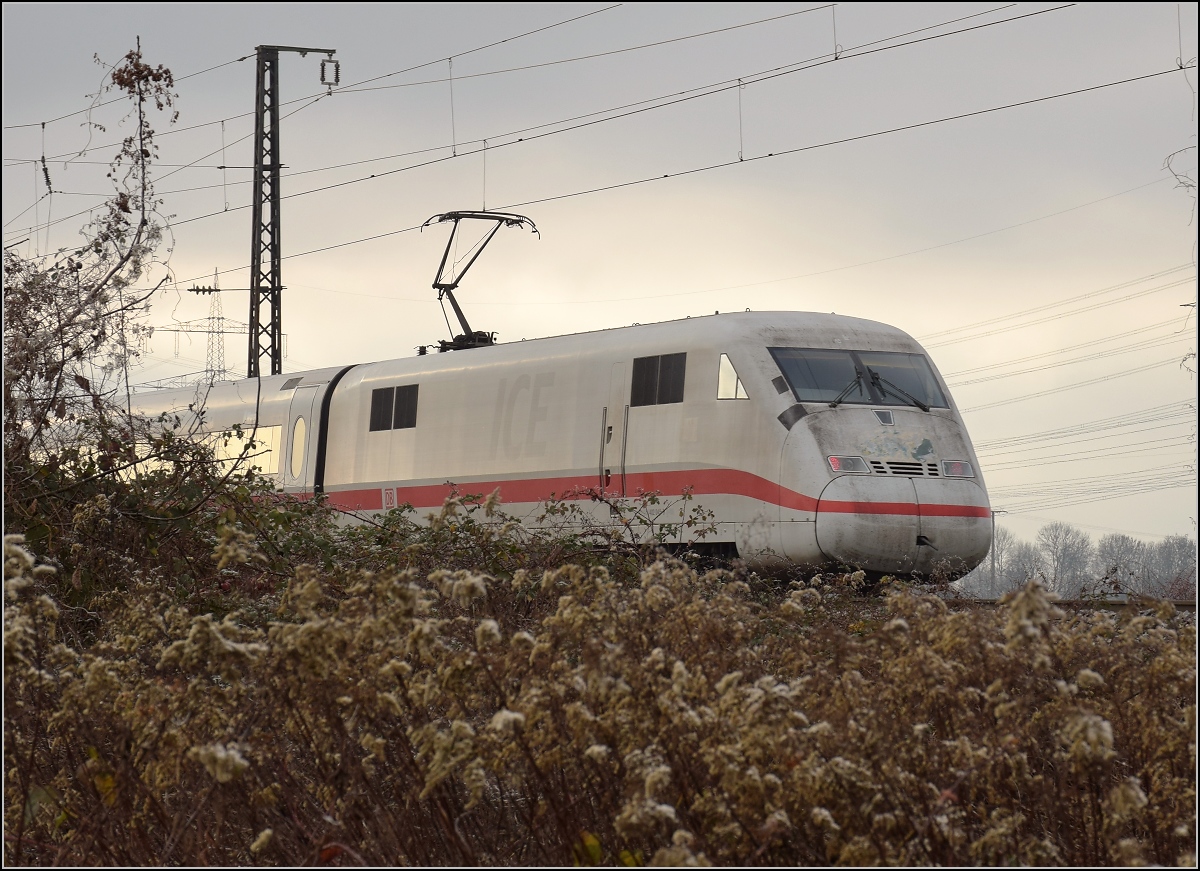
column 999, row 215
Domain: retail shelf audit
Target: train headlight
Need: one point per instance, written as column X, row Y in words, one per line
column 849, row 465
column 957, row 469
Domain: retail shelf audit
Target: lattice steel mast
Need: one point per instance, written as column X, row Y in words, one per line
column 266, row 284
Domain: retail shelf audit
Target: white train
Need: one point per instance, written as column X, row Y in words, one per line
column 812, row 438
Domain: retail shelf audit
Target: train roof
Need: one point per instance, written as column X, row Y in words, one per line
column 763, row 329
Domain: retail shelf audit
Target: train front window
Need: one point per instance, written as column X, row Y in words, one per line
column 821, row 374
column 906, row 373
column 859, row 377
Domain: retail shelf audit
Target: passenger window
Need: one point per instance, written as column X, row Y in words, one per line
column 297, row 465
column 729, row 385
column 394, row 407
column 645, row 381
column 658, row 380
column 381, row 408
column 406, row 407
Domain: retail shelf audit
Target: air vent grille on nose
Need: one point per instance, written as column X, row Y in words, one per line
column 905, row 469
column 909, row 469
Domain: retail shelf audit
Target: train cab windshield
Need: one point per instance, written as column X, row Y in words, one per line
column 859, row 377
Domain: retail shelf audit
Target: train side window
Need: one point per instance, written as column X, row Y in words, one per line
column 729, row 385
column 298, row 431
column 645, row 381
column 406, row 407
column 658, row 380
column 381, row 408
column 670, row 378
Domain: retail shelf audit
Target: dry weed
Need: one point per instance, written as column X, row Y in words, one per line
column 405, row 717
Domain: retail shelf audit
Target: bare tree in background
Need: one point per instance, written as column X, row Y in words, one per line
column 73, row 321
column 1120, row 562
column 1067, row 552
column 1119, row 565
column 982, row 581
column 1003, row 543
column 1024, row 563
column 1170, row 570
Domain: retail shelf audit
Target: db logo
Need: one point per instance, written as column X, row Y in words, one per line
column 389, row 498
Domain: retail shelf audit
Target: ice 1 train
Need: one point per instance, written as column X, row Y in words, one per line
column 812, row 438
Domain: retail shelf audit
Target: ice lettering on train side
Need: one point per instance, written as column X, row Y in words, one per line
column 539, row 410
column 522, row 410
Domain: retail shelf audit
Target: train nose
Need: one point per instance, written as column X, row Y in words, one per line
column 901, row 525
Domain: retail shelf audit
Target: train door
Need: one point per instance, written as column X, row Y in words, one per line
column 301, row 436
column 614, row 426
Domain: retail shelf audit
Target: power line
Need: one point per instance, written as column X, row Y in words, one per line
column 1156, row 342
column 118, row 100
column 317, row 99
column 1169, row 411
column 608, row 300
column 725, row 164
column 1136, row 477
column 344, row 87
column 357, row 89
column 720, row 87
column 1087, row 308
column 842, row 141
column 1088, row 344
column 837, row 268
column 1072, row 386
column 748, row 79
column 1105, row 453
column 1130, row 532
column 1115, row 432
column 1087, row 497
column 248, row 114
column 482, row 47
column 753, row 77
column 1084, row 494
column 1047, row 306
column 1095, row 486
column 706, row 91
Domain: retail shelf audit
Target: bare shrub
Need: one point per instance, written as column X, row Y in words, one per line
column 401, row 717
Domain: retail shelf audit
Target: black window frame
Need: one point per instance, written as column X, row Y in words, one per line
column 393, row 408
column 658, row 379
column 382, row 402
column 876, row 396
column 404, row 413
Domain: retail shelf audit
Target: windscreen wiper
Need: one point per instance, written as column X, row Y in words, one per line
column 891, row 388
column 857, row 382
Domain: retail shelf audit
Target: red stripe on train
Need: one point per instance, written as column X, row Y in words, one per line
column 726, row 482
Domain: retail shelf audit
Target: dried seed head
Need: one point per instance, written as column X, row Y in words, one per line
column 507, row 721
column 823, row 818
column 656, row 779
column 487, row 633
column 1088, row 738
column 262, row 841
column 728, row 682
column 223, row 761
column 1126, row 798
